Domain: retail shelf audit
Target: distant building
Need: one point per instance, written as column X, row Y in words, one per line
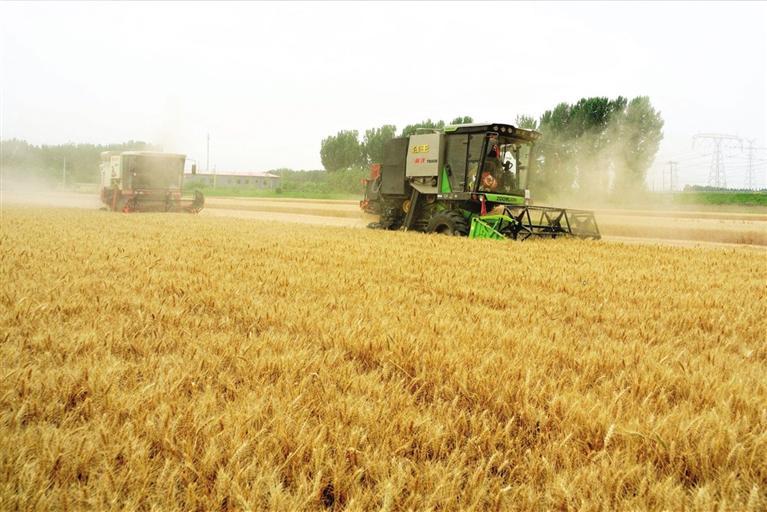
column 234, row 179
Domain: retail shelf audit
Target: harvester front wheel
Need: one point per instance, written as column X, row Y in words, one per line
column 449, row 222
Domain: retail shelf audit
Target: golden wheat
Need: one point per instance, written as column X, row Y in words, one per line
column 174, row 362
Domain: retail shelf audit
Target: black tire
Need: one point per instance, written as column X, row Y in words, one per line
column 449, row 222
column 391, row 215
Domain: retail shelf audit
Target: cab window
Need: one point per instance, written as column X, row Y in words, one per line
column 455, row 159
column 476, row 143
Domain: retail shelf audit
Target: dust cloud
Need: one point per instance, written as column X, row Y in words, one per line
column 39, row 192
column 603, row 167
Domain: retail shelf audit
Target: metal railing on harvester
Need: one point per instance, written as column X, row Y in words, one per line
column 523, row 222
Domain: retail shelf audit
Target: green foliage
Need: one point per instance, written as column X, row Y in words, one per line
column 642, row 132
column 345, row 182
column 709, row 188
column 341, row 184
column 721, row 198
column 526, row 122
column 22, row 160
column 375, row 138
column 412, row 128
column 341, row 151
column 462, row 120
column 596, row 145
column 344, row 150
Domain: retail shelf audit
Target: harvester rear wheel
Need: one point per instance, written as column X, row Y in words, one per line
column 391, row 215
column 449, row 222
column 128, row 205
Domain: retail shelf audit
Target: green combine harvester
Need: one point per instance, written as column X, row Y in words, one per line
column 468, row 180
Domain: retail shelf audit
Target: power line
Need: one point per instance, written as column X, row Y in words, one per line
column 750, row 182
column 207, row 153
column 671, row 176
column 746, row 166
column 693, row 158
column 691, row 154
column 716, row 175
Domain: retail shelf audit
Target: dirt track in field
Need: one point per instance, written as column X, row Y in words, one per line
column 666, row 227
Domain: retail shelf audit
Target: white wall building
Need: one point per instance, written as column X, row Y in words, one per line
column 234, row 179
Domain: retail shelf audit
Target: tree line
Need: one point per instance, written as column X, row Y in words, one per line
column 345, row 150
column 78, row 162
column 595, row 145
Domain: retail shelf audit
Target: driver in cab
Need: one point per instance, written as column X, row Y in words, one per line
column 491, row 170
column 496, row 174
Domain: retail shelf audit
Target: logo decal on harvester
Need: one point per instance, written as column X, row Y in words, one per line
column 422, row 148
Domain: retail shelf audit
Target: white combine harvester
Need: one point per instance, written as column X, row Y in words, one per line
column 146, row 181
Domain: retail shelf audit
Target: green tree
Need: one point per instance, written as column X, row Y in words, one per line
column 462, row 120
column 436, row 125
column 594, row 141
column 553, row 172
column 596, row 145
column 21, row 160
column 412, row 128
column 526, row 122
column 375, row 138
column 341, row 151
column 642, row 130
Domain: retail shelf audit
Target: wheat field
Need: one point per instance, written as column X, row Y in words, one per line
column 178, row 362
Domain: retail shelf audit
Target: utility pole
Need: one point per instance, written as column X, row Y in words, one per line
column 671, row 176
column 751, row 181
column 716, row 175
column 207, row 154
column 750, row 168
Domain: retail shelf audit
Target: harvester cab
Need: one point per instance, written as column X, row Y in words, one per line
column 470, row 180
column 145, row 181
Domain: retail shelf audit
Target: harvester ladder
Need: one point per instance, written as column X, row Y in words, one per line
column 414, row 196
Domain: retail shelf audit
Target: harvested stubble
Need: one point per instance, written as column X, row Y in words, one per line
column 178, row 362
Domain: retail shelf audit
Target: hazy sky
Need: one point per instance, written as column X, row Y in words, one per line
column 269, row 81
